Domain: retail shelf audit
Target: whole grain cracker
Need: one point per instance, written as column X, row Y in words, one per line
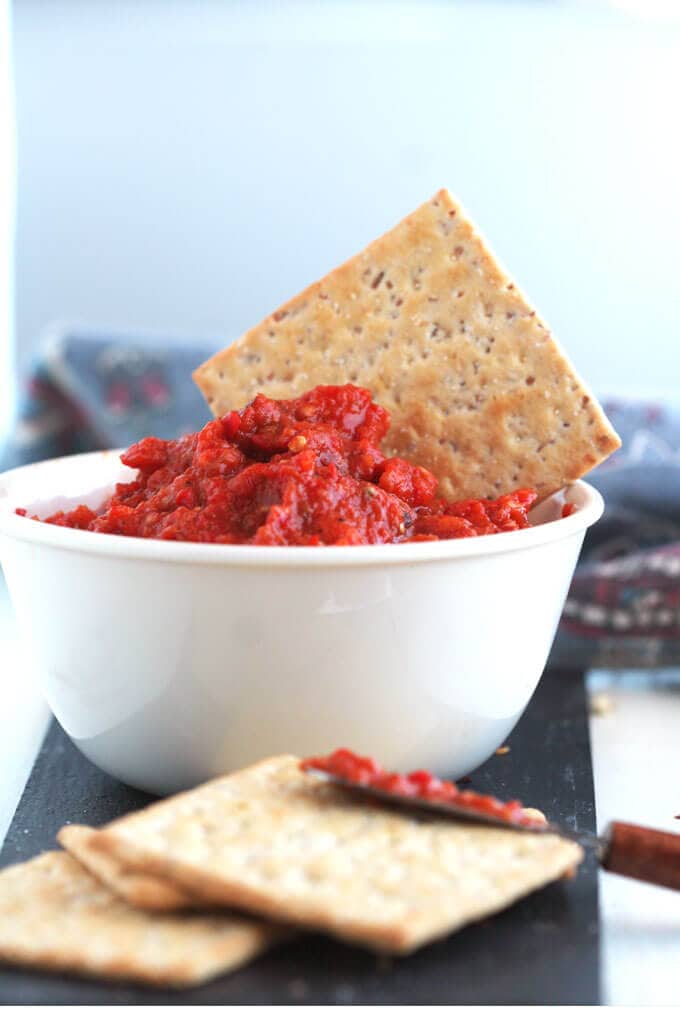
column 55, row 915
column 282, row 843
column 143, row 891
column 426, row 318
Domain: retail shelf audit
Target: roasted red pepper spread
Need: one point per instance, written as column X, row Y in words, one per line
column 308, row 471
column 423, row 785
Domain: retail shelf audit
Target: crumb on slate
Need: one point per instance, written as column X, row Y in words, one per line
column 601, row 704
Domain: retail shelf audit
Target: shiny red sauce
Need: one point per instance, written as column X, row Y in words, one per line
column 423, row 785
column 308, row 471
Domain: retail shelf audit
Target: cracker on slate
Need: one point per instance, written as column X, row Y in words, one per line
column 54, row 915
column 143, row 891
column 425, row 317
column 276, row 841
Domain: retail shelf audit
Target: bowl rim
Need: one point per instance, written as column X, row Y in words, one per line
column 589, row 508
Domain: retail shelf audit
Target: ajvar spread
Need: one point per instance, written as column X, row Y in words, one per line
column 308, row 471
column 420, row 785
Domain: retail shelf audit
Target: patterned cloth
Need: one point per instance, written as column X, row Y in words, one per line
column 92, row 392
column 623, row 609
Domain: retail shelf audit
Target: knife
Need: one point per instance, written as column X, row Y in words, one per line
column 649, row 855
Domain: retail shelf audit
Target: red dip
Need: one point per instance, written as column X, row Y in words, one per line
column 308, row 471
column 366, row 772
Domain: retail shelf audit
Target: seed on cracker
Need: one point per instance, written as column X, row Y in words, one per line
column 55, row 915
column 278, row 842
column 427, row 319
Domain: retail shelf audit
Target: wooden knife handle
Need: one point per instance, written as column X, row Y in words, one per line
column 649, row 855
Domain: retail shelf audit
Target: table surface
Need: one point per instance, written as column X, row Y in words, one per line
column 635, row 740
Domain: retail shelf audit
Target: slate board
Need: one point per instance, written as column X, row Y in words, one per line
column 544, row 950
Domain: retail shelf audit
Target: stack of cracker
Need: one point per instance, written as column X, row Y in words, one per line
column 203, row 882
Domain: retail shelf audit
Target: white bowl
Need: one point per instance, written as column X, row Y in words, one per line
column 171, row 662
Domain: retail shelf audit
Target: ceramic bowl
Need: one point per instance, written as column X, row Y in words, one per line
column 168, row 663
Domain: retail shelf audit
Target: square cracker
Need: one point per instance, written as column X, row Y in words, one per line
column 425, row 317
column 55, row 915
column 279, row 842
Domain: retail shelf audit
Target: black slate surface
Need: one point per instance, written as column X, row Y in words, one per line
column 544, row 950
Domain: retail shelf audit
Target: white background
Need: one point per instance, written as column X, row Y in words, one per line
column 7, row 214
column 189, row 165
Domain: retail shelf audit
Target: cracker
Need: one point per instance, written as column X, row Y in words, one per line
column 282, row 843
column 143, row 891
column 55, row 915
column 425, row 317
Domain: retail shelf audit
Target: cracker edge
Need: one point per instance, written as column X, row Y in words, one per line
column 143, row 891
